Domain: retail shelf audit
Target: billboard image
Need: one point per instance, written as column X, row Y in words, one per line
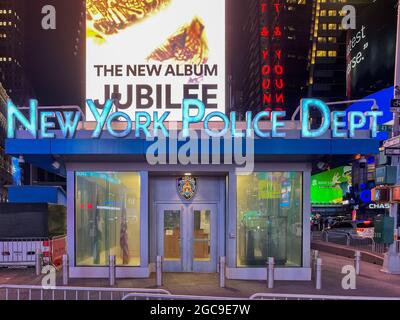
column 330, row 186
column 150, row 55
column 371, row 50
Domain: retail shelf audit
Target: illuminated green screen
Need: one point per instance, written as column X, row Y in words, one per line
column 330, row 186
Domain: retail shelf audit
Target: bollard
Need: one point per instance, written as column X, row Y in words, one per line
column 222, row 272
column 159, row 267
column 348, row 241
column 38, row 262
column 314, row 257
column 357, row 260
column 111, row 265
column 318, row 277
column 270, row 270
column 65, row 268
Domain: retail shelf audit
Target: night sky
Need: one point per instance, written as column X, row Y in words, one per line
column 53, row 70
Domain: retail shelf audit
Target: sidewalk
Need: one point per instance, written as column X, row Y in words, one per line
column 371, row 282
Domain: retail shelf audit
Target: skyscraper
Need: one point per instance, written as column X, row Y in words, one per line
column 275, row 38
column 12, row 59
column 5, row 160
column 327, row 56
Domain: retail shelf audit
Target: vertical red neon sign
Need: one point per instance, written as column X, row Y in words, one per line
column 272, row 66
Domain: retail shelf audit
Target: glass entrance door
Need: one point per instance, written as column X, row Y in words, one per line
column 187, row 237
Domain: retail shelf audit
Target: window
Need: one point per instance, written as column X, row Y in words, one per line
column 269, row 219
column 332, row 26
column 107, row 218
column 321, row 53
column 332, row 53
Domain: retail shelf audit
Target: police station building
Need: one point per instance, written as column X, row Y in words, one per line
column 199, row 205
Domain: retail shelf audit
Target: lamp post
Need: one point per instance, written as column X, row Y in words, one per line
column 391, row 262
column 335, row 103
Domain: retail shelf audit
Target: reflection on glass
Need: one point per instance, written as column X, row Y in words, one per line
column 202, row 235
column 269, row 208
column 107, row 217
column 172, row 235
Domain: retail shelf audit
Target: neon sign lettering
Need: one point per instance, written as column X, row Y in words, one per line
column 340, row 124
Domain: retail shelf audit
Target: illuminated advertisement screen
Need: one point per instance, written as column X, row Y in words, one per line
column 371, row 50
column 330, row 186
column 148, row 55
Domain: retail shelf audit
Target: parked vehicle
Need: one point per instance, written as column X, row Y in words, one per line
column 353, row 229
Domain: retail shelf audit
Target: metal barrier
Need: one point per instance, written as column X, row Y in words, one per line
column 22, row 251
column 19, row 292
column 257, row 296
column 141, row 296
column 344, row 239
column 272, row 296
column 15, row 292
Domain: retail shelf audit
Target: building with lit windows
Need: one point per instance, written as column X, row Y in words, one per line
column 5, row 160
column 327, row 56
column 12, row 52
column 288, row 47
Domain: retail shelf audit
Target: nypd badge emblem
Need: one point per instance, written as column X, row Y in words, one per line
column 187, row 187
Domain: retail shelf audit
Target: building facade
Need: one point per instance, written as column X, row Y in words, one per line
column 121, row 203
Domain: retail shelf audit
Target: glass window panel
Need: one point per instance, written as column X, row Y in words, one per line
column 172, row 235
column 107, row 218
column 202, row 235
column 269, row 209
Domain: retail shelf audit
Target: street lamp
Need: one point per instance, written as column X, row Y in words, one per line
column 374, row 107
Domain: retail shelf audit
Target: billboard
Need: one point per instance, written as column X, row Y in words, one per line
column 150, row 55
column 330, row 186
column 371, row 49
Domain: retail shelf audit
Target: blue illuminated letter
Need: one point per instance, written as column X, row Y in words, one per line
column 306, row 104
column 121, row 134
column 257, row 119
column 235, row 133
column 337, row 124
column 158, row 123
column 353, row 125
column 212, row 133
column 44, row 125
column 142, row 126
column 13, row 113
column 68, row 128
column 100, row 119
column 374, row 121
column 187, row 119
column 278, row 124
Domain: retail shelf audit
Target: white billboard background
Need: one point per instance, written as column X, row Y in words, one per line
column 134, row 44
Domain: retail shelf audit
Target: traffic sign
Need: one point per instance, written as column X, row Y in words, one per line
column 395, row 141
column 395, row 105
column 392, row 151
